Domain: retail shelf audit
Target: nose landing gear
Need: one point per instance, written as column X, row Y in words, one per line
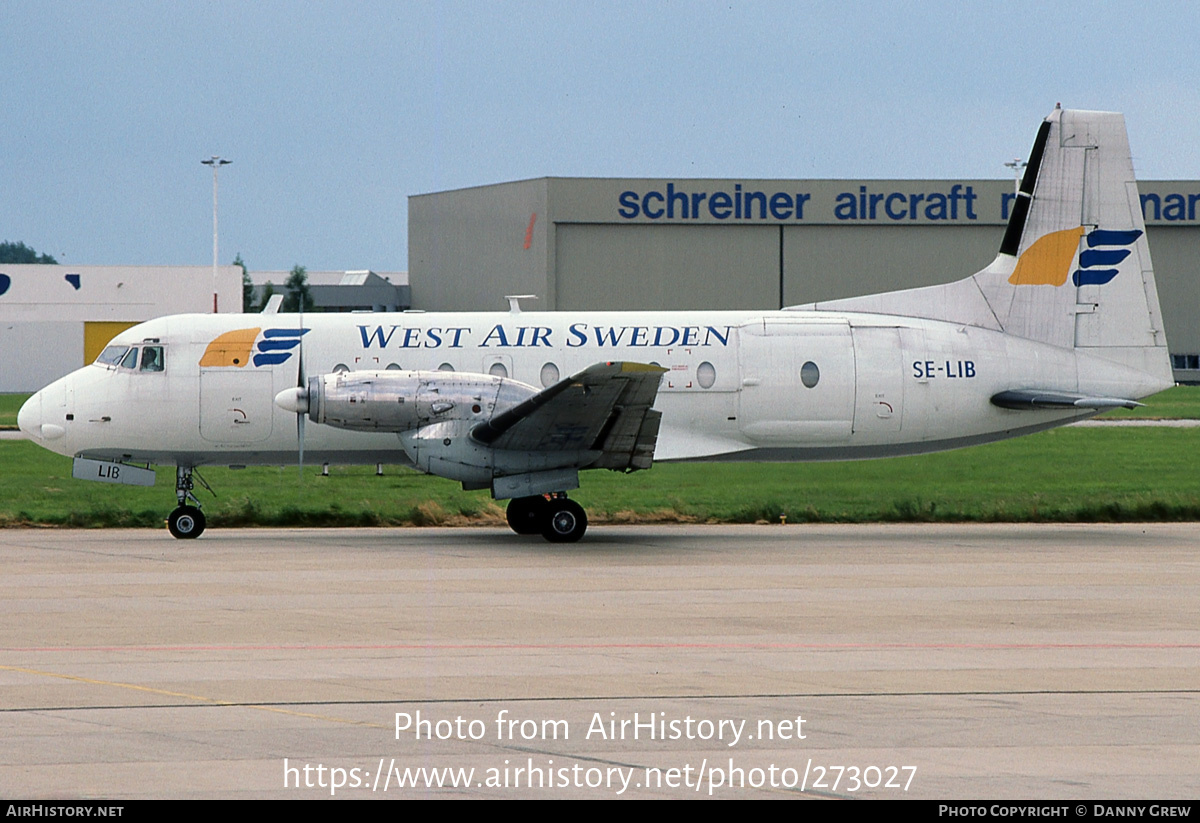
column 186, row 521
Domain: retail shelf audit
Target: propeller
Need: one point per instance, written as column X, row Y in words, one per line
column 296, row 400
column 301, row 388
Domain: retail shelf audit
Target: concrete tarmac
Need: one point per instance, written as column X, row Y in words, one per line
column 906, row 661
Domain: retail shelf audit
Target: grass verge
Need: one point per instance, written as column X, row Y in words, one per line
column 10, row 404
column 1065, row 475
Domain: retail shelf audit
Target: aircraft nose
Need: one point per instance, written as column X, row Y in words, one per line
column 30, row 417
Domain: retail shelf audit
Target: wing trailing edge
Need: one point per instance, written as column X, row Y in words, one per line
column 605, row 408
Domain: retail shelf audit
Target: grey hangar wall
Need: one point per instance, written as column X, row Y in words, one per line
column 636, row 244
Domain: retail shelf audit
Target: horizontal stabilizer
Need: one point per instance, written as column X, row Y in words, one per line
column 1027, row 399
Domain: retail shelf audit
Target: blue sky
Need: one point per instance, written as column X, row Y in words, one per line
column 334, row 113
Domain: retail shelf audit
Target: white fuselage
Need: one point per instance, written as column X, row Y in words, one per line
column 785, row 385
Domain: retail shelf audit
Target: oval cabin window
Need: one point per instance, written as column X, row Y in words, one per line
column 809, row 374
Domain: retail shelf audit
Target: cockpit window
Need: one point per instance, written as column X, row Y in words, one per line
column 152, row 358
column 129, row 361
column 112, row 355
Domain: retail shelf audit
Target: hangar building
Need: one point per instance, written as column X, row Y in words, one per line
column 56, row 318
column 629, row 244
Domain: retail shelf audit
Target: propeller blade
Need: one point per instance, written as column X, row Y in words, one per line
column 300, row 439
column 301, row 388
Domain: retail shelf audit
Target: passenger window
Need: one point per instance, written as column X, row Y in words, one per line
column 152, row 358
column 809, row 374
column 130, row 360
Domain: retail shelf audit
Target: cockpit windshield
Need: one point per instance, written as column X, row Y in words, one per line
column 152, row 358
column 111, row 355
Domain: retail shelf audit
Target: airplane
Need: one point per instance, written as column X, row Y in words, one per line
column 1062, row 325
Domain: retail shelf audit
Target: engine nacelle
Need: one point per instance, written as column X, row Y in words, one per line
column 399, row 401
column 434, row 413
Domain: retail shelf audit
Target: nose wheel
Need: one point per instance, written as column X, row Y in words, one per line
column 186, row 522
column 557, row 519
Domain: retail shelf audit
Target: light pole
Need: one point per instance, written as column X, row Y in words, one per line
column 216, row 163
column 1017, row 165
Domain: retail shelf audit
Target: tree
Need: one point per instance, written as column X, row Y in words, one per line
column 20, row 253
column 298, row 297
column 247, row 286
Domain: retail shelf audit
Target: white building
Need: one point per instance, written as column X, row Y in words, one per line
column 55, row 318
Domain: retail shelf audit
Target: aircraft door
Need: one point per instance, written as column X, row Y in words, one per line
column 918, row 402
column 797, row 381
column 878, row 367
column 236, row 404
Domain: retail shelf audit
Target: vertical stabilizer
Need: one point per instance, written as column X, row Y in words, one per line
column 1074, row 267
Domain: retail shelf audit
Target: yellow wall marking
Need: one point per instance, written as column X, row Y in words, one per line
column 99, row 333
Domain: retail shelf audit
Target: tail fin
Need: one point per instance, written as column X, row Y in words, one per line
column 1074, row 267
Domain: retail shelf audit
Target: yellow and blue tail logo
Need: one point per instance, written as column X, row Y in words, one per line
column 1048, row 261
column 1105, row 249
column 262, row 347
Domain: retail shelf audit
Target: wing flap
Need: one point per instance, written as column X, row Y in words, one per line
column 604, row 408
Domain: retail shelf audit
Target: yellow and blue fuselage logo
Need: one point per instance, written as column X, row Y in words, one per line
column 1048, row 261
column 257, row 346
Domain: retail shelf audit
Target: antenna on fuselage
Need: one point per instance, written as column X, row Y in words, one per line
column 514, row 301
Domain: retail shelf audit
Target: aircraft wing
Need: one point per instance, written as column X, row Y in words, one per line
column 604, row 408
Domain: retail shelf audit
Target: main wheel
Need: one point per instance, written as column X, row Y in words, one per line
column 186, row 522
column 567, row 521
column 526, row 515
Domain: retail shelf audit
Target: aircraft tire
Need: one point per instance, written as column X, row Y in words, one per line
column 527, row 515
column 566, row 523
column 186, row 523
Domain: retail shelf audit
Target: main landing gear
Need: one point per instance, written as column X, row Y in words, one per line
column 187, row 521
column 554, row 517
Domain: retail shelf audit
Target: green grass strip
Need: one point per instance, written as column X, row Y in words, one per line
column 1065, row 475
column 10, row 404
